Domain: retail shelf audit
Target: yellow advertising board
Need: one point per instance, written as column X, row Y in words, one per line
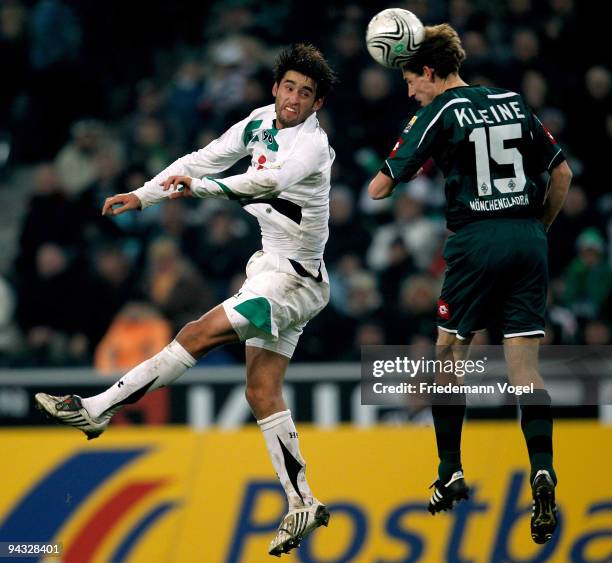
column 173, row 495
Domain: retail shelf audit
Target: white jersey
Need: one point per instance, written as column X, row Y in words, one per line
column 286, row 186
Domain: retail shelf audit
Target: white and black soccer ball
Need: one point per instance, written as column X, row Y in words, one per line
column 393, row 36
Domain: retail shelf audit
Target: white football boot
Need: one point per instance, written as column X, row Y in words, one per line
column 296, row 525
column 70, row 410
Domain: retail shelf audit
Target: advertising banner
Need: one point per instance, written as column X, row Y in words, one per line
column 174, row 495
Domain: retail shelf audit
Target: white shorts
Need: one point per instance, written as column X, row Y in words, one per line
column 274, row 304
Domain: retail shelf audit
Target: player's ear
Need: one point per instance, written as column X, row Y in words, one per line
column 318, row 104
column 275, row 89
column 429, row 73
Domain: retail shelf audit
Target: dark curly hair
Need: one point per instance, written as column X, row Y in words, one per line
column 441, row 50
column 309, row 61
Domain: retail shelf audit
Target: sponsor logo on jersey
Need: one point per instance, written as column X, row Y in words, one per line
column 443, row 309
column 410, row 124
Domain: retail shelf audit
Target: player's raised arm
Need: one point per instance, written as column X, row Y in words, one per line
column 217, row 156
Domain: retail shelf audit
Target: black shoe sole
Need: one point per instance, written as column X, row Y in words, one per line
column 449, row 500
column 447, row 503
column 544, row 525
column 321, row 518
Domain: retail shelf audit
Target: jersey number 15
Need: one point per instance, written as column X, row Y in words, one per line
column 500, row 154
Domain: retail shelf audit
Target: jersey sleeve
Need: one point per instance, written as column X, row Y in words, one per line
column 310, row 158
column 219, row 155
column 546, row 151
column 413, row 148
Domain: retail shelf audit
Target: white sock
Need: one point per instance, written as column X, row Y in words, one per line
column 162, row 369
column 287, row 460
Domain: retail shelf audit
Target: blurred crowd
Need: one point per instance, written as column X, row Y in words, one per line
column 99, row 96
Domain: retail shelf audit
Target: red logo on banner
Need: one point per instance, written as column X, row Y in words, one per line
column 443, row 310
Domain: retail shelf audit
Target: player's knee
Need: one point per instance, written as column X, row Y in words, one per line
column 258, row 396
column 444, row 350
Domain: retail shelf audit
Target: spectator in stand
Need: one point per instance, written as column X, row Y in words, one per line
column 174, row 286
column 137, row 332
column 594, row 102
column 50, row 217
column 589, row 277
column 112, row 281
column 76, row 161
column 414, row 315
column 92, row 226
column 420, row 235
column 184, row 97
column 347, row 232
column 10, row 339
column 223, row 248
column 51, row 310
column 149, row 144
column 13, row 57
column 574, row 218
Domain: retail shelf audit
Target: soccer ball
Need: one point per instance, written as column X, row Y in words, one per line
column 393, row 36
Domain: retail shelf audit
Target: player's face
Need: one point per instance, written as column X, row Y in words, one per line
column 295, row 99
column 421, row 87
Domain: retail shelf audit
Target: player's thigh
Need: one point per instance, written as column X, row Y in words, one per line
column 270, row 302
column 527, row 284
column 284, row 345
column 468, row 282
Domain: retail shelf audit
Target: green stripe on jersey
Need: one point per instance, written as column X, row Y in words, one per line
column 229, row 193
column 249, row 130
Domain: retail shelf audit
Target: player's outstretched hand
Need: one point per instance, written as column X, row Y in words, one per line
column 126, row 202
column 180, row 186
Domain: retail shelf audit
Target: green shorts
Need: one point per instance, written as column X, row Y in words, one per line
column 496, row 270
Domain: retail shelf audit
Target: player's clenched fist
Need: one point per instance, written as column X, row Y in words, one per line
column 125, row 202
column 181, row 186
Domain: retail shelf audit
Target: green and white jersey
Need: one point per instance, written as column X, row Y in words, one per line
column 286, row 186
column 490, row 147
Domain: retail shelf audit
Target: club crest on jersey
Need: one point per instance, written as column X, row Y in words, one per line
column 443, row 309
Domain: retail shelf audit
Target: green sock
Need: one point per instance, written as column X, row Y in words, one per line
column 448, row 422
column 537, row 426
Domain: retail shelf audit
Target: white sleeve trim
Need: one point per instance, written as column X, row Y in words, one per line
column 505, row 95
column 455, row 101
column 553, row 159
